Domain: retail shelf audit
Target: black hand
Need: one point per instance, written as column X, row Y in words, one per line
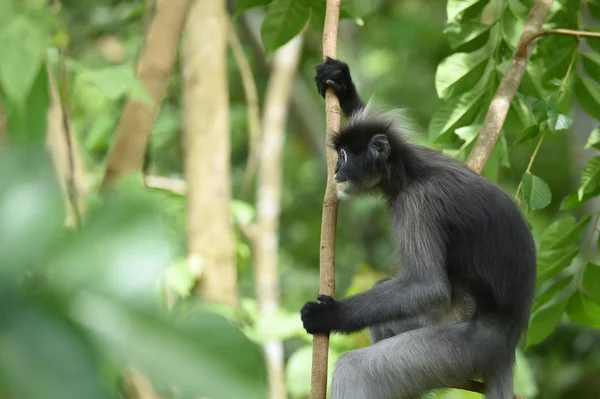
column 319, row 317
column 336, row 74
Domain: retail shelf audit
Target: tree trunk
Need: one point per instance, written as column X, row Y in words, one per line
column 285, row 62
column 154, row 68
column 211, row 246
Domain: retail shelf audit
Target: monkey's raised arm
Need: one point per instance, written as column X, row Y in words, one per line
column 422, row 286
column 336, row 74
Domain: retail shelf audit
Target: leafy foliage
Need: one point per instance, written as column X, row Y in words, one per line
column 68, row 294
column 284, row 19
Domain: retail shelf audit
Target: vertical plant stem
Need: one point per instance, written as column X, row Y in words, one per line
column 318, row 388
column 265, row 233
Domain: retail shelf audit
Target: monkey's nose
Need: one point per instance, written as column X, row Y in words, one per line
column 338, row 179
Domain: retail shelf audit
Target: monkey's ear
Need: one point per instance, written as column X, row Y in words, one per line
column 379, row 146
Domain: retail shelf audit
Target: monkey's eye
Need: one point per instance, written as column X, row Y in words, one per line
column 343, row 156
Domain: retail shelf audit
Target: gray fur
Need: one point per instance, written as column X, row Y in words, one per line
column 463, row 293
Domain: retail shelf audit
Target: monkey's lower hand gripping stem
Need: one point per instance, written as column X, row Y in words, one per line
column 462, row 299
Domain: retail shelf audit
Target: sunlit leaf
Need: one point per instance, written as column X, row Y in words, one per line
column 591, row 281
column 544, row 321
column 550, row 263
column 453, row 113
column 536, row 192
column 590, row 176
column 572, row 200
column 563, row 232
column 455, row 7
column 283, row 20
column 584, row 311
column 557, row 122
column 459, row 72
column 594, row 139
column 549, row 293
column 460, row 34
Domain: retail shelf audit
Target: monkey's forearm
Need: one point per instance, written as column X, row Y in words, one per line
column 351, row 103
column 389, row 301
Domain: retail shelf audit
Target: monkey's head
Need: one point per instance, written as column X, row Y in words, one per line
column 363, row 148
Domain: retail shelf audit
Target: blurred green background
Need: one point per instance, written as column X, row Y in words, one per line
column 79, row 308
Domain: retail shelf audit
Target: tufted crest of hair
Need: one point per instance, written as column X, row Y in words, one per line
column 368, row 122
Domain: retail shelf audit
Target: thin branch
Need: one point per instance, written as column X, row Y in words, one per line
column 539, row 144
column 252, row 102
column 154, row 67
column 507, row 89
column 318, row 382
column 528, row 170
column 175, row 186
column 563, row 32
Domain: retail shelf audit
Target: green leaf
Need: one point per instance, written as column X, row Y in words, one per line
column 283, row 20
column 544, row 321
column 536, row 192
column 32, row 340
column 594, row 7
column 563, row 232
column 557, row 122
column 594, row 139
column 21, row 63
column 584, row 311
column 549, row 293
column 454, row 113
column 460, row 34
column 524, row 382
column 27, row 121
column 197, row 354
column 459, row 72
column 572, row 200
column 129, row 224
column 589, row 177
column 31, row 207
column 512, row 27
column 550, row 263
column 591, row 64
column 298, row 370
column 243, row 5
column 593, row 41
column 455, row 7
column 588, row 94
column 527, row 134
column 115, row 82
column 591, row 281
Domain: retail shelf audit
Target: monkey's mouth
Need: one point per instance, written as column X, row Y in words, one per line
column 345, row 189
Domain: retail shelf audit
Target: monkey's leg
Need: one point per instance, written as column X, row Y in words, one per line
column 499, row 381
column 387, row 330
column 417, row 361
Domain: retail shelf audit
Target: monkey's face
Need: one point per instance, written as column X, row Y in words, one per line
column 358, row 172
